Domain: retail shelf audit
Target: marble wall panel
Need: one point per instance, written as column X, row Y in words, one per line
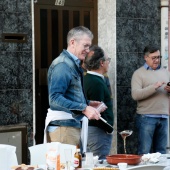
column 126, row 8
column 24, row 6
column 148, row 9
column 26, row 111
column 10, row 23
column 24, row 22
column 2, row 22
column 125, row 119
column 25, row 70
column 25, row 27
column 8, row 107
column 126, row 64
column 127, row 35
column 16, row 107
column 17, row 20
column 1, row 6
column 138, row 9
column 16, row 99
column 149, row 32
column 16, row 70
column 9, row 70
column 10, row 47
column 138, row 24
column 10, row 6
column 16, row 6
column 27, row 46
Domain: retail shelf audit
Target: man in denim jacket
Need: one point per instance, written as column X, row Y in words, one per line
column 68, row 104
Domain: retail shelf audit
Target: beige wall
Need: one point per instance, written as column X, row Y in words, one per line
column 107, row 40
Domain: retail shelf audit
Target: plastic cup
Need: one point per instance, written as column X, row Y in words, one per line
column 122, row 165
column 89, row 163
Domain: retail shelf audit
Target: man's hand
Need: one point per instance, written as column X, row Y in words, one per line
column 91, row 113
column 97, row 105
column 158, row 84
column 94, row 103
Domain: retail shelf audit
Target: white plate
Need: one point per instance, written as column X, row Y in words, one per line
column 147, row 167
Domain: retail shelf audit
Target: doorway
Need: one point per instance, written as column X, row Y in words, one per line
column 52, row 24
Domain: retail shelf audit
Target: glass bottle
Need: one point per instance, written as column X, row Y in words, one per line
column 77, row 159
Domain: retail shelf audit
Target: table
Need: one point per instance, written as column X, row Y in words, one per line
column 164, row 162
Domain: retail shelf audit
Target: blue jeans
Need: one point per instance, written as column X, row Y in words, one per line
column 99, row 142
column 152, row 134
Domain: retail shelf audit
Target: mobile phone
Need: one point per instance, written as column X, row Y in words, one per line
column 168, row 84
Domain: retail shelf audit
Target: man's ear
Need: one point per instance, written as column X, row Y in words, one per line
column 145, row 57
column 72, row 41
column 101, row 63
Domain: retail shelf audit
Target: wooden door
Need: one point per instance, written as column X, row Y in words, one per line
column 52, row 24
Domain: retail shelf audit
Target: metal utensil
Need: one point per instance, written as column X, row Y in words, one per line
column 105, row 122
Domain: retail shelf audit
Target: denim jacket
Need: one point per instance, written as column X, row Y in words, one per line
column 65, row 89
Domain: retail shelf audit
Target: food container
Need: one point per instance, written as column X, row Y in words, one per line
column 130, row 159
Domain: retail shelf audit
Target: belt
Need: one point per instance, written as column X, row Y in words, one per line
column 50, row 124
